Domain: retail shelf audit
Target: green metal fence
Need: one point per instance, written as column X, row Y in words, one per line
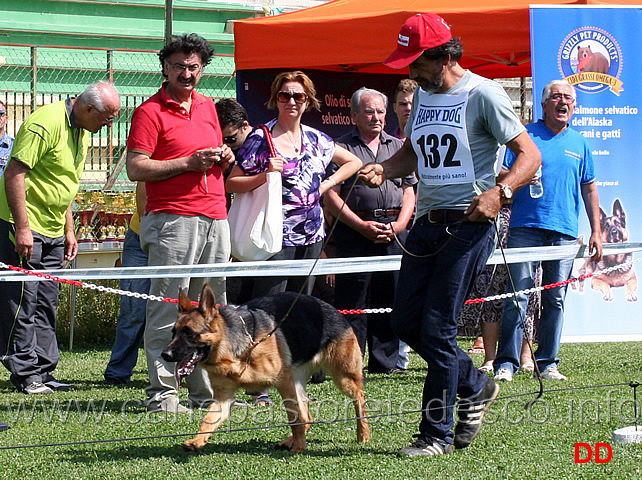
column 520, row 91
column 32, row 76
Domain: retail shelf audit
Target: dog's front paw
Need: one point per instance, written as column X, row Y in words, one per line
column 292, row 445
column 193, row 445
column 285, row 444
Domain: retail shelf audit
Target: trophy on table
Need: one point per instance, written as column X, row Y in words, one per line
column 109, row 222
column 119, row 218
column 127, row 211
column 85, row 235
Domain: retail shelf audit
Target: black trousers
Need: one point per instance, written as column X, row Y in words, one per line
column 269, row 285
column 368, row 290
column 28, row 344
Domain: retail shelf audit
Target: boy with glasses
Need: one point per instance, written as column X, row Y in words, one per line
column 234, row 122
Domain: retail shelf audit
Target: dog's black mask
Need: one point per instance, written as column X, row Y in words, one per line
column 185, row 350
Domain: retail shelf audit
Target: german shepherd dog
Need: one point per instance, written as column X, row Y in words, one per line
column 613, row 231
column 232, row 344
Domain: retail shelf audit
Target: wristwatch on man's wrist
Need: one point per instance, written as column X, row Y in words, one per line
column 505, row 191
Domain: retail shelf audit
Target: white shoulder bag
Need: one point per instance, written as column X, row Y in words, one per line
column 256, row 217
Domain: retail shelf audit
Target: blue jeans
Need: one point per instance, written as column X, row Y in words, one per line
column 131, row 319
column 433, row 286
column 552, row 318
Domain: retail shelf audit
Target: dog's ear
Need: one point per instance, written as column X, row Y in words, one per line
column 208, row 299
column 184, row 303
column 618, row 212
column 602, row 216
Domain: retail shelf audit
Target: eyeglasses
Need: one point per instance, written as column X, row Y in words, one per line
column 556, row 97
column 231, row 138
column 299, row 97
column 2, row 113
column 108, row 118
column 180, row 68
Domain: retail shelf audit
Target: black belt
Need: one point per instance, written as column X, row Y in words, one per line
column 443, row 215
column 377, row 212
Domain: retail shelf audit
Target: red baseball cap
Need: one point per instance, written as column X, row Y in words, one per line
column 420, row 32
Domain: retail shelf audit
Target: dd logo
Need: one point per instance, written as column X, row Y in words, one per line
column 584, row 453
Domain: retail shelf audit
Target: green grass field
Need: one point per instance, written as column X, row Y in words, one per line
column 514, row 443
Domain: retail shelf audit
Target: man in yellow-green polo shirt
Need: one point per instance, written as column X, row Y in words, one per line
column 37, row 228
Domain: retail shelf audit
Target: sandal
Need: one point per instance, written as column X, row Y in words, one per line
column 478, row 346
column 527, row 366
column 262, row 401
column 487, row 367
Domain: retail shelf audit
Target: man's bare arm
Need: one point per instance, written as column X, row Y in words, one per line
column 142, row 168
column 527, row 159
column 71, row 243
column 402, row 163
column 14, row 177
column 592, row 207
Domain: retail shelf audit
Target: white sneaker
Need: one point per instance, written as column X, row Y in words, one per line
column 551, row 373
column 503, row 375
column 37, row 388
column 169, row 405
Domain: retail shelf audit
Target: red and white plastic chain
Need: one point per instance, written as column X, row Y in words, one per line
column 345, row 312
column 91, row 286
column 581, row 278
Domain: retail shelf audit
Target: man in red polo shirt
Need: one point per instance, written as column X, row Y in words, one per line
column 175, row 146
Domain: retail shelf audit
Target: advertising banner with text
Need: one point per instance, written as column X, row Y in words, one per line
column 597, row 49
column 334, row 90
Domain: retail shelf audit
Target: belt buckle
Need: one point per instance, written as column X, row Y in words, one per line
column 430, row 219
column 379, row 212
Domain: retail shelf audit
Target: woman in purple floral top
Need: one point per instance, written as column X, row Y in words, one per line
column 304, row 154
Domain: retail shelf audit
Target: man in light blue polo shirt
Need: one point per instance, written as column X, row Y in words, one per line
column 568, row 178
column 6, row 142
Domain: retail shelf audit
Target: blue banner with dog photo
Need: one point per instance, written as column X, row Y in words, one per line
column 597, row 49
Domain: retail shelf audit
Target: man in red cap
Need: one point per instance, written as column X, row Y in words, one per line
column 457, row 123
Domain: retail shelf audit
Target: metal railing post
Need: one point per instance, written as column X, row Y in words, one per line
column 169, row 19
column 110, row 130
column 34, row 78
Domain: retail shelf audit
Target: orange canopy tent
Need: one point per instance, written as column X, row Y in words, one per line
column 357, row 35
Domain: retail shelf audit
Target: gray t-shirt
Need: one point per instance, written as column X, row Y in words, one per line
column 490, row 121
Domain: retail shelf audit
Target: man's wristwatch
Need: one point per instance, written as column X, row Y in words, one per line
column 506, row 192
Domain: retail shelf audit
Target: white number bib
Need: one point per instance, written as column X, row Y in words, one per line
column 440, row 139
